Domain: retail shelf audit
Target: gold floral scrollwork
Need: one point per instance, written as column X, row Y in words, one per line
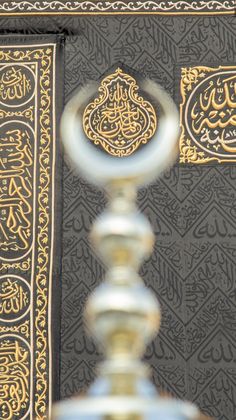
column 119, row 120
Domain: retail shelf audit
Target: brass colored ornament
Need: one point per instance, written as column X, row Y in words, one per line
column 119, row 120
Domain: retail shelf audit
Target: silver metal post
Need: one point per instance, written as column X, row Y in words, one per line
column 122, row 313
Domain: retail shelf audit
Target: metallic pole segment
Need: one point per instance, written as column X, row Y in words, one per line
column 122, row 313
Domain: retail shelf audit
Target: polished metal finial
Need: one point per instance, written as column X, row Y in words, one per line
column 122, row 313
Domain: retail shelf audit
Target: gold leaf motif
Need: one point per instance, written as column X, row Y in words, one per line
column 119, row 120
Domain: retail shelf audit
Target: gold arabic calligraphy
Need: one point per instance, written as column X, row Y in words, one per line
column 208, row 115
column 119, row 120
column 15, row 188
column 15, row 85
column 14, row 298
column 14, row 379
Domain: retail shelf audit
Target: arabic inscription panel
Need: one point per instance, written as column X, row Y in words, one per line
column 14, row 377
column 14, row 298
column 17, row 84
column 208, row 114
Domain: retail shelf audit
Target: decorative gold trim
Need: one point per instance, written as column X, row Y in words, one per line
column 43, row 259
column 21, row 329
column 27, row 113
column 119, row 120
column 92, row 7
column 21, row 265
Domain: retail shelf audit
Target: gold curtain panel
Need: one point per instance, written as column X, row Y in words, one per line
column 28, row 192
column 208, row 114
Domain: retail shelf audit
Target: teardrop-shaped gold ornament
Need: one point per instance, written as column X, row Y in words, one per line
column 119, row 120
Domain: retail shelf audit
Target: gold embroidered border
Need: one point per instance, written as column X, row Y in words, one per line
column 70, row 7
column 27, row 336
column 207, row 114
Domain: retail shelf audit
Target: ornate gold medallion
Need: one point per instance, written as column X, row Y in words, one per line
column 119, row 120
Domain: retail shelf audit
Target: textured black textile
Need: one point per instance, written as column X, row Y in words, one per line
column 193, row 277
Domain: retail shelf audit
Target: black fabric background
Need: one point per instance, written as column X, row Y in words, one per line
column 194, row 278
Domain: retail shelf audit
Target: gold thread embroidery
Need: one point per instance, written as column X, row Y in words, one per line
column 21, row 265
column 208, row 114
column 119, row 119
column 42, row 238
column 22, row 329
column 43, row 58
column 27, row 113
column 16, row 85
column 14, row 297
column 14, row 378
column 169, row 7
column 16, row 193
